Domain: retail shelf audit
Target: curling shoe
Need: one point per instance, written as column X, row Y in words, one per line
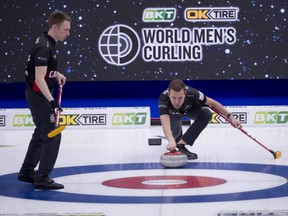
column 190, row 155
column 49, row 184
column 29, row 178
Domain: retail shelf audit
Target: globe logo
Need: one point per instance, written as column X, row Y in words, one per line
column 119, row 45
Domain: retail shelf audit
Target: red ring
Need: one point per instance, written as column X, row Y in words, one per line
column 189, row 182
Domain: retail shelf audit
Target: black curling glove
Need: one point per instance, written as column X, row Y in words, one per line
column 54, row 105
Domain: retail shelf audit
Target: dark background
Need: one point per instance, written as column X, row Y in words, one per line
column 260, row 51
column 253, row 72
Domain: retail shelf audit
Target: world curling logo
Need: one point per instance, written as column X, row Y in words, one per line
column 119, row 45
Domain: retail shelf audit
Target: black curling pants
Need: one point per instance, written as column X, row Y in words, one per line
column 201, row 117
column 42, row 149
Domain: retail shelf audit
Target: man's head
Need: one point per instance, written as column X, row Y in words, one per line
column 59, row 25
column 176, row 93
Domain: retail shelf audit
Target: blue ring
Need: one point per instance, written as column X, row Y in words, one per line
column 10, row 187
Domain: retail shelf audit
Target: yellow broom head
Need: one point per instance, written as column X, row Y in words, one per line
column 277, row 154
column 56, row 131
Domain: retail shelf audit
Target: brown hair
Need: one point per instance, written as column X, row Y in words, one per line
column 176, row 85
column 58, row 17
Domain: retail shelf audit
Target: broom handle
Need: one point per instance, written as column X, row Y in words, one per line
column 59, row 103
column 242, row 130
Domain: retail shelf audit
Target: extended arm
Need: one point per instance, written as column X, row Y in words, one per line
column 224, row 111
column 165, row 122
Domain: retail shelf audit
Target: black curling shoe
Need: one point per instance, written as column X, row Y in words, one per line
column 49, row 184
column 190, row 155
column 29, row 178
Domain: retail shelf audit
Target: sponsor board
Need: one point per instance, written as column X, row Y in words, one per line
column 254, row 116
column 120, row 44
column 120, row 117
column 213, row 14
column 271, row 117
column 159, row 14
column 217, row 119
column 2, row 121
column 139, row 117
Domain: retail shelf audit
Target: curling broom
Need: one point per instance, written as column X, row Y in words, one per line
column 58, row 129
column 276, row 154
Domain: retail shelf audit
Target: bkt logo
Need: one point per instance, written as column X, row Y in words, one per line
column 159, row 14
column 211, row 14
column 129, row 118
column 272, row 117
column 21, row 120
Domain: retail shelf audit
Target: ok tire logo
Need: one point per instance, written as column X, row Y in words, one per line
column 83, row 119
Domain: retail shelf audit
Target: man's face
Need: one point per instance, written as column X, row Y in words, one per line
column 177, row 98
column 62, row 31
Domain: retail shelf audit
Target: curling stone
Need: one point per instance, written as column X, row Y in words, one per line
column 174, row 159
